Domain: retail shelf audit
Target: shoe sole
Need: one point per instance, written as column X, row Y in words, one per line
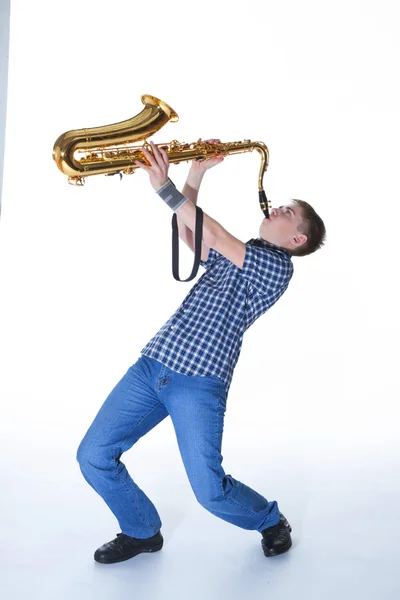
column 272, row 552
column 127, row 557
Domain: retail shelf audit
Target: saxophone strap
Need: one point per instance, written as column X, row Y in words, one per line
column 197, row 242
column 198, row 235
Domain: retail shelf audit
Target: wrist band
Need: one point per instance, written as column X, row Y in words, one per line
column 171, row 196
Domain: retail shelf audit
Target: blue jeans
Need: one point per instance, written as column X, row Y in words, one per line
column 147, row 394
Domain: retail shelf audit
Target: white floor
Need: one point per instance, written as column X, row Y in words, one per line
column 344, row 514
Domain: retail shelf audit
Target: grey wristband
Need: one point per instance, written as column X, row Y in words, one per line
column 171, row 196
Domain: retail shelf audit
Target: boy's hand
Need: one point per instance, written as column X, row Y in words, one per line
column 201, row 166
column 159, row 165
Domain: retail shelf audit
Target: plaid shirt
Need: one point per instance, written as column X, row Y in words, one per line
column 204, row 335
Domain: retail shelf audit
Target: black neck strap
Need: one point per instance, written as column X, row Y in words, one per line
column 197, row 243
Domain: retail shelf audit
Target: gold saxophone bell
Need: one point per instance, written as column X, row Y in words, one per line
column 108, row 150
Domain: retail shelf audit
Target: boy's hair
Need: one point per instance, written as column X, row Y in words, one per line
column 313, row 227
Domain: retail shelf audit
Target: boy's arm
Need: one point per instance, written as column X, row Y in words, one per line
column 191, row 191
column 214, row 235
column 217, row 237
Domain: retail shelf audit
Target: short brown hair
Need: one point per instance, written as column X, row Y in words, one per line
column 313, row 227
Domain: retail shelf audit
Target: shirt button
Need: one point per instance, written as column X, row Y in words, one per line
column 172, row 326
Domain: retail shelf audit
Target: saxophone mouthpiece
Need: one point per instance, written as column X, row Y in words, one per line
column 262, row 197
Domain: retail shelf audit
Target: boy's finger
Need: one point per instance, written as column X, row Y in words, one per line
column 165, row 156
column 149, row 156
column 156, row 152
column 141, row 165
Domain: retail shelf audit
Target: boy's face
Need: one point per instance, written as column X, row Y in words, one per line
column 282, row 227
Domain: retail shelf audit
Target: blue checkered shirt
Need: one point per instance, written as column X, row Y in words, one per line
column 204, row 335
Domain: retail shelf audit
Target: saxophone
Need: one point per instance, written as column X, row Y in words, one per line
column 112, row 149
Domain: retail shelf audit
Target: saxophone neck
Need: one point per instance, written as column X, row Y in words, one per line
column 264, row 153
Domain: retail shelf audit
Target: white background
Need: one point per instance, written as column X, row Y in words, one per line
column 86, row 281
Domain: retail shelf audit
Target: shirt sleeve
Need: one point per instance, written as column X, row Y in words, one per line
column 212, row 257
column 266, row 269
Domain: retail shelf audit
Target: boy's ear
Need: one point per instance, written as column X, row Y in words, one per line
column 301, row 239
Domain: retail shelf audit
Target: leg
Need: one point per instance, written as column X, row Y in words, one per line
column 131, row 410
column 197, row 408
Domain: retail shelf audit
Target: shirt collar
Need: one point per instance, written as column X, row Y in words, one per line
column 264, row 244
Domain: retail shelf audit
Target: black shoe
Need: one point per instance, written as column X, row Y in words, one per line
column 276, row 539
column 124, row 547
